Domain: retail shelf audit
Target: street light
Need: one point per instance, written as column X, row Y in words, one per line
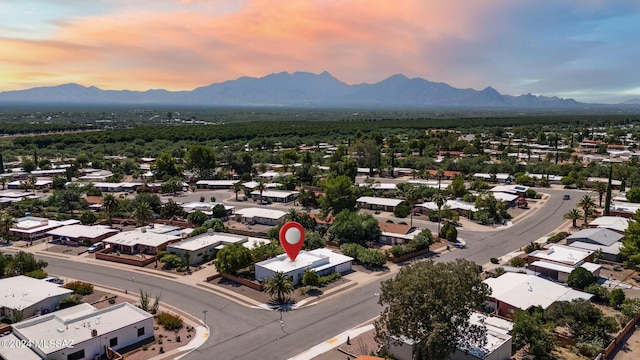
column 204, row 316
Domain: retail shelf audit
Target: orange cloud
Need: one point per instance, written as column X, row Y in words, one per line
column 197, row 43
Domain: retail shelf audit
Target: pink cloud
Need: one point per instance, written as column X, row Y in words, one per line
column 356, row 40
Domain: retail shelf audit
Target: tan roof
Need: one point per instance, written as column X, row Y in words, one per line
column 394, row 228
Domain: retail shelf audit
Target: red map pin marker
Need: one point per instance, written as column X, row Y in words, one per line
column 292, row 239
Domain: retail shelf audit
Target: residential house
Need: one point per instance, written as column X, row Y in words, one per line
column 30, row 296
column 558, row 261
column 263, row 216
column 31, row 228
column 392, row 234
column 141, row 240
column 615, row 223
column 378, row 203
column 78, row 233
column 280, row 196
column 322, row 261
column 204, row 247
column 606, row 241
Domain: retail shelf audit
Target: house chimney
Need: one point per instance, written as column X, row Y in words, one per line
column 94, row 333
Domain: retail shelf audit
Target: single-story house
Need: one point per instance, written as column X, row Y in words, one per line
column 84, row 332
column 140, row 240
column 519, row 190
column 512, row 291
column 378, row 203
column 499, row 177
column 380, row 186
column 322, row 261
column 96, row 175
column 256, row 215
column 204, row 247
column 605, row 240
column 462, row 207
column 215, row 184
column 429, row 183
column 561, row 254
column 30, row 228
column 392, row 234
column 31, row 296
column 10, row 197
column 281, row 196
column 49, row 173
column 615, row 223
column 39, row 185
column 254, row 184
column 205, row 207
column 270, row 175
column 78, row 233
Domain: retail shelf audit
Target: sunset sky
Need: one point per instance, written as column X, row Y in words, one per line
column 588, row 50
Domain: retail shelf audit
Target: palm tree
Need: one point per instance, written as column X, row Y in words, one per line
column 261, row 187
column 236, row 187
column 3, row 181
column 411, row 196
column 601, row 189
column 279, row 286
column 573, row 215
column 292, row 215
column 109, row 205
column 587, row 204
column 31, row 182
column 142, row 214
column 440, row 174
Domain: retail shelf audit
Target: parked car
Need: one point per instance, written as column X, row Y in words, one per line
column 460, row 244
column 95, row 247
column 566, row 197
column 55, row 280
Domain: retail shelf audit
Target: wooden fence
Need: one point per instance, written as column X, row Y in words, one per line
column 620, row 337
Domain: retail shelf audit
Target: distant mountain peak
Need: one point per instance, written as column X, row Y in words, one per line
column 297, row 89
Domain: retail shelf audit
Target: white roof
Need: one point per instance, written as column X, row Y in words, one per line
column 162, row 228
column 562, row 254
column 78, row 327
column 21, row 292
column 137, row 237
column 253, row 242
column 451, row 204
column 275, row 193
column 625, row 207
column 204, row 206
column 380, row 186
column 261, row 212
column 85, row 231
column 504, row 196
column 379, row 201
column 12, row 194
column 30, row 225
column 525, row 291
column 217, row 182
column 431, row 183
column 613, row 249
column 510, row 189
column 38, row 183
column 611, row 222
column 318, row 259
column 16, row 352
column 496, row 335
column 499, row 176
column 206, row 240
column 51, row 171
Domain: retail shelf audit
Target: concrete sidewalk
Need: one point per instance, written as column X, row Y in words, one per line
column 332, row 343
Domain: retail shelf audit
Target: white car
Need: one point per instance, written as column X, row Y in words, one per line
column 95, row 247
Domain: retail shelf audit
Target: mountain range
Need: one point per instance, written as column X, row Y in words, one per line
column 298, row 89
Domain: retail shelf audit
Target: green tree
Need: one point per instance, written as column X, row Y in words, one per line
column 171, row 209
column 261, row 187
column 631, row 242
column 339, row 194
column 352, row 227
column 88, row 217
column 237, row 187
column 530, row 329
column 197, row 217
column 233, row 258
column 601, row 189
column 279, row 286
column 28, row 165
column 310, row 278
column 581, row 278
column 23, row 263
column 142, row 213
column 457, row 188
column 574, row 215
column 313, row 240
column 202, row 160
column 165, row 166
column 588, row 205
column 439, row 317
column 109, row 206
column 616, row 298
column 633, row 195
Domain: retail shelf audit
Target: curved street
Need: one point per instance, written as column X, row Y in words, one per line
column 238, row 332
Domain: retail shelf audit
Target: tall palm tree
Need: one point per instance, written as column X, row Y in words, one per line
column 292, row 215
column 601, row 189
column 279, row 286
column 142, row 213
column 109, row 205
column 573, row 215
column 411, row 196
column 587, row 204
column 261, row 187
column 236, row 187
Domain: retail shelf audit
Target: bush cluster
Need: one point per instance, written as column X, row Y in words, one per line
column 80, row 287
column 365, row 256
column 325, row 280
column 557, row 237
column 170, row 322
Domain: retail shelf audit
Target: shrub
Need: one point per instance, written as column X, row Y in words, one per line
column 517, row 262
column 533, row 246
column 324, row 280
column 171, row 261
column 630, row 307
column 169, row 322
column 581, row 278
column 530, row 193
column 600, row 293
column 80, row 287
column 557, row 237
column 495, row 260
column 402, row 210
column 69, row 302
column 351, row 249
column 616, row 298
column 398, row 250
column 372, row 258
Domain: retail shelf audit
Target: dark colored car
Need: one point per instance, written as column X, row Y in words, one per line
column 566, row 197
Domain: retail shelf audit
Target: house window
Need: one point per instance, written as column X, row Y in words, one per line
column 140, row 331
column 113, row 342
column 76, row 355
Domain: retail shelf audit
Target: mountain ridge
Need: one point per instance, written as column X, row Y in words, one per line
column 297, row 89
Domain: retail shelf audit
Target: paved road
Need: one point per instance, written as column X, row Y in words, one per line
column 241, row 333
